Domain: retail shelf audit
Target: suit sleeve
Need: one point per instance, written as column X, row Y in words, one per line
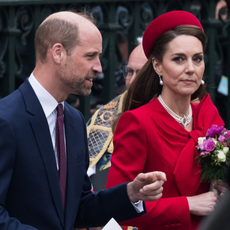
column 96, row 209
column 128, row 160
column 7, row 156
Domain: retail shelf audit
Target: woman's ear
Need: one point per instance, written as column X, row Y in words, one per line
column 157, row 66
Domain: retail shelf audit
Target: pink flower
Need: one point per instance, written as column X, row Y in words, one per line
column 227, row 134
column 207, row 145
column 221, row 139
column 203, row 153
column 214, row 130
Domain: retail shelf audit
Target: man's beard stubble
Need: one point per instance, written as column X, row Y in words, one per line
column 69, row 77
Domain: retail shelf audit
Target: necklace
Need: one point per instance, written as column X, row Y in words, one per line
column 184, row 121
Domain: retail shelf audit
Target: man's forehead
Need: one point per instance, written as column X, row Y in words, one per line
column 90, row 42
column 137, row 59
column 90, row 34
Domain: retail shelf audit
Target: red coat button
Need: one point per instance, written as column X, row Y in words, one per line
column 166, row 226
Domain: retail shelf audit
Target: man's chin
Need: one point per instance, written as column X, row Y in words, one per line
column 87, row 94
column 83, row 93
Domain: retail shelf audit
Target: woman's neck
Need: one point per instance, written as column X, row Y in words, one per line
column 178, row 104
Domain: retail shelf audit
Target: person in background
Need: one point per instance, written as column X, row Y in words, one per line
column 160, row 124
column 219, row 218
column 99, row 129
column 221, row 68
column 43, row 143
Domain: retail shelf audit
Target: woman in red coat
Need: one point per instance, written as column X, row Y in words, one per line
column 161, row 125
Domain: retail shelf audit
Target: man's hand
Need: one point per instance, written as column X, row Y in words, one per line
column 146, row 187
column 221, row 187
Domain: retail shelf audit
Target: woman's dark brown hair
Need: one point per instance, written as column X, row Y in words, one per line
column 146, row 84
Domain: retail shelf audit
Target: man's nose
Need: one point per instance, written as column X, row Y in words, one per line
column 97, row 66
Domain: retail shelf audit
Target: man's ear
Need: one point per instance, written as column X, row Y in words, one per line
column 157, row 66
column 58, row 52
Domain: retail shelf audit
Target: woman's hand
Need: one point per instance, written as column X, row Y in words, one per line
column 203, row 204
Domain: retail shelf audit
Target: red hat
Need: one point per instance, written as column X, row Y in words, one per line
column 165, row 22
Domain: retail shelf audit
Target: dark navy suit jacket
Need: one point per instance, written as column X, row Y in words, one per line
column 30, row 196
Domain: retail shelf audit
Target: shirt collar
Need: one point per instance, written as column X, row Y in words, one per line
column 47, row 101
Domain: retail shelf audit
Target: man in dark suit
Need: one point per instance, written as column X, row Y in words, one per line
column 43, row 181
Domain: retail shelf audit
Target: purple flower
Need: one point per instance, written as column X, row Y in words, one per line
column 207, row 145
column 227, row 134
column 221, row 139
column 214, row 130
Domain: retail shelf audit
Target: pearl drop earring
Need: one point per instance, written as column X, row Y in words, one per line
column 202, row 82
column 160, row 78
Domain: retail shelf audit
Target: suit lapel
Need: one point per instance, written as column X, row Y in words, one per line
column 42, row 135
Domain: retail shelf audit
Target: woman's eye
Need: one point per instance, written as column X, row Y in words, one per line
column 198, row 59
column 178, row 59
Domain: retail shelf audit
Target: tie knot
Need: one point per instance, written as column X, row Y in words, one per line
column 59, row 110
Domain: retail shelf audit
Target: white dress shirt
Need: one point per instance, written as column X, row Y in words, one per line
column 49, row 105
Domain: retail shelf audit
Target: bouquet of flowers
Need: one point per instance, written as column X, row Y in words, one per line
column 214, row 153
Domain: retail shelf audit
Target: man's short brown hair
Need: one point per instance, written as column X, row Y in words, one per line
column 57, row 30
